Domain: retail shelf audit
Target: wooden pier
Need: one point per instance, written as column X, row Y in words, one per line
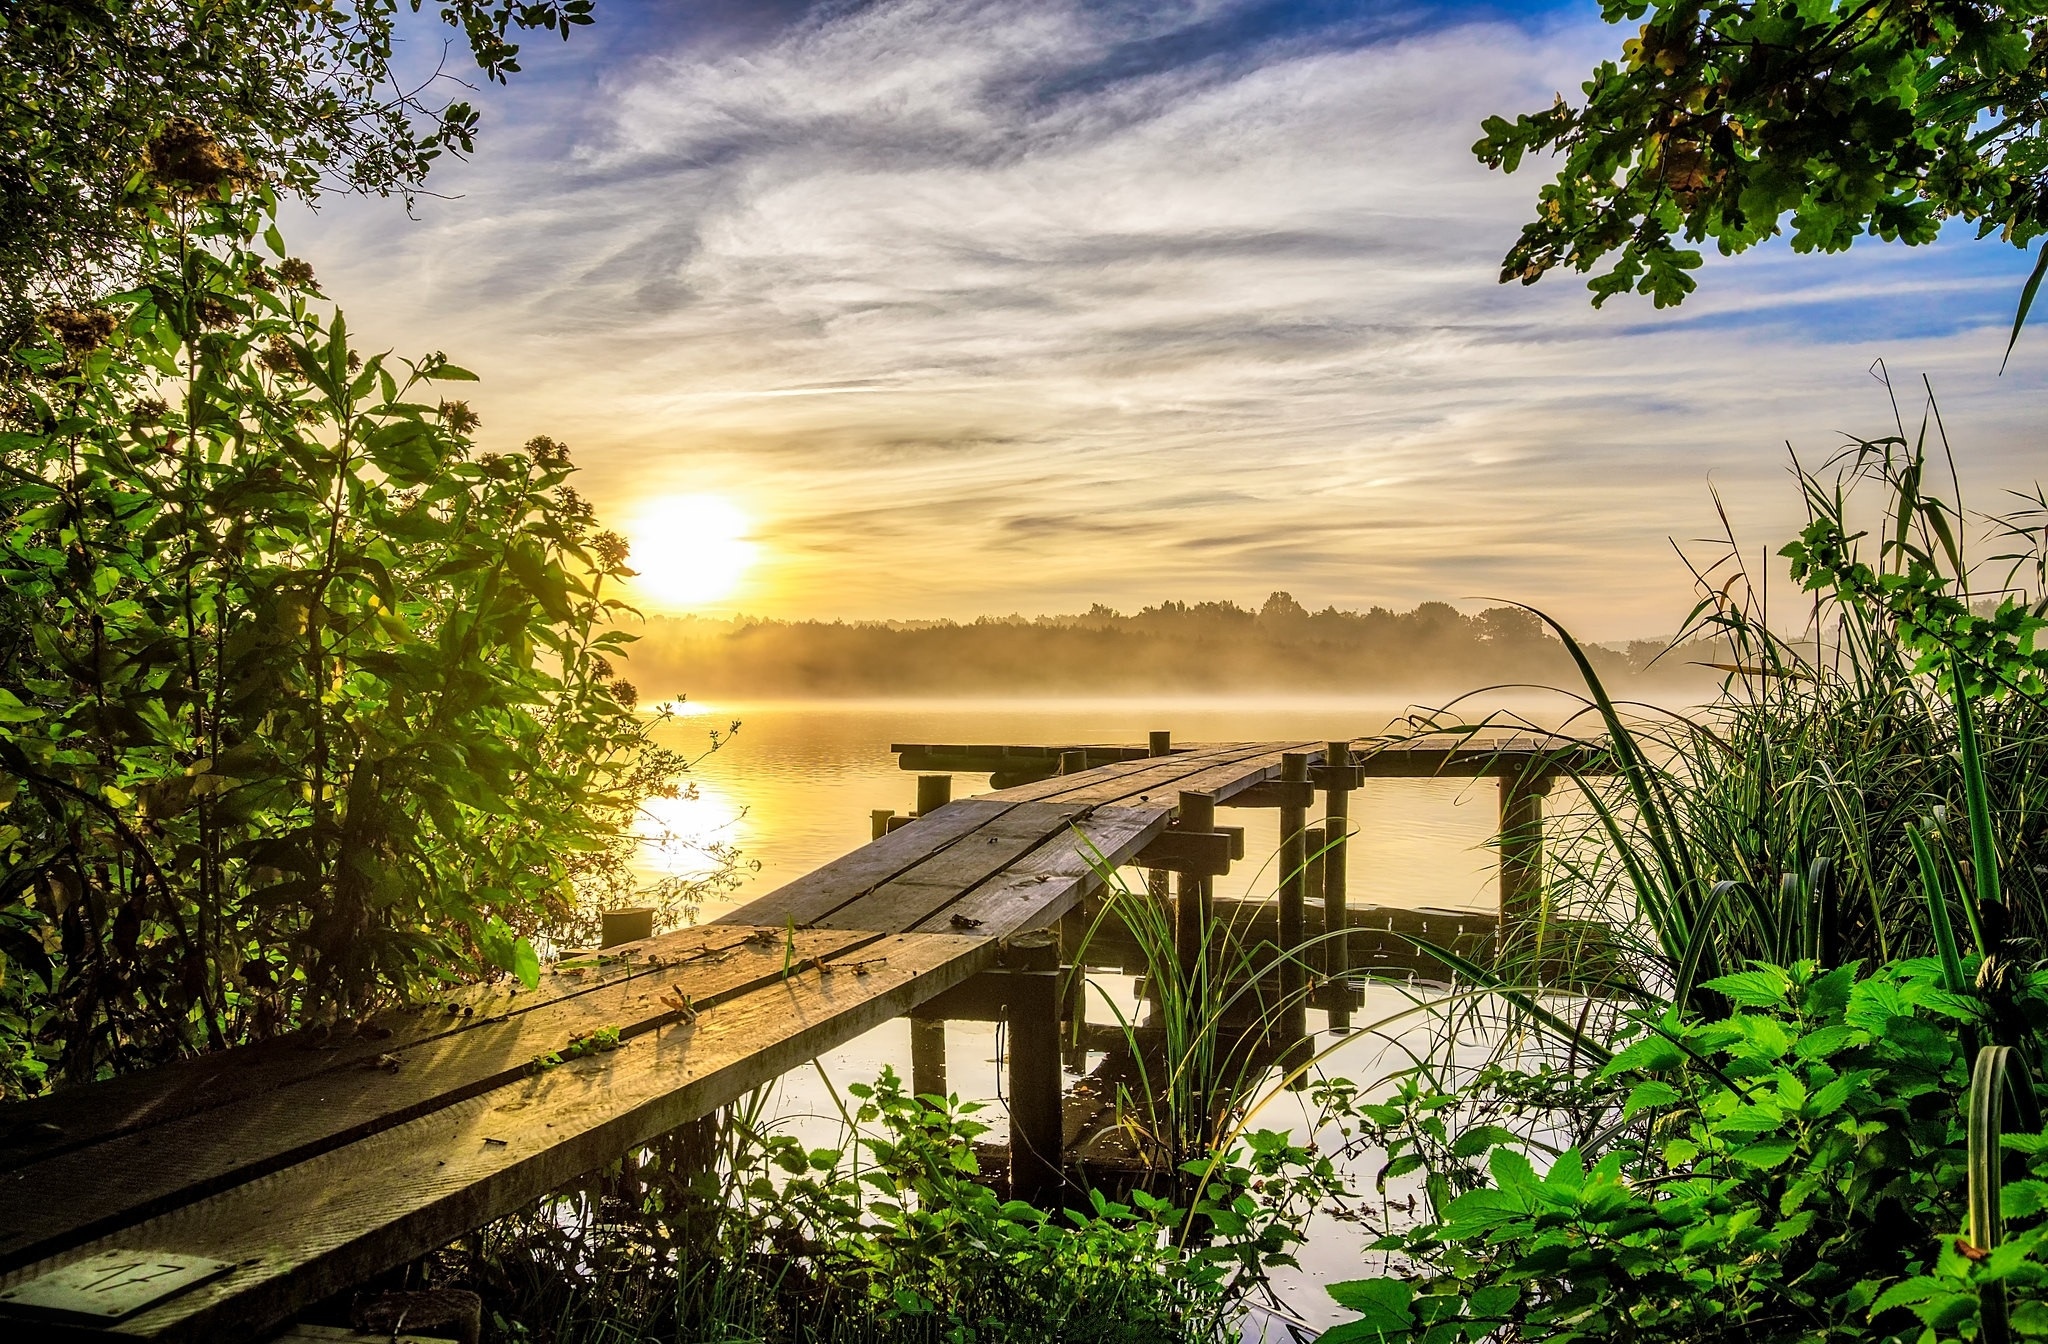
column 215, row 1199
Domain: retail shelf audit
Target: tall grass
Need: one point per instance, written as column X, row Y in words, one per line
column 1799, row 814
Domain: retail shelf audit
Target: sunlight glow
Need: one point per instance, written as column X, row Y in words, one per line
column 689, row 550
column 679, row 836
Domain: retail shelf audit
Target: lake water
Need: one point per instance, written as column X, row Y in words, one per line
column 793, row 788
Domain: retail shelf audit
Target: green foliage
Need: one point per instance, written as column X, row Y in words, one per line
column 1840, row 781
column 891, row 1234
column 304, row 97
column 1726, row 121
column 1785, row 1171
column 304, row 701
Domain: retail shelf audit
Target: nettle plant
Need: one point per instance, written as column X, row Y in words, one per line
column 1797, row 1168
column 304, row 701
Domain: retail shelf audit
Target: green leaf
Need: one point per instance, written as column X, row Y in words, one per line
column 12, row 710
column 1646, row 1095
column 526, row 963
column 1759, row 987
column 1652, row 1054
column 1382, row 1304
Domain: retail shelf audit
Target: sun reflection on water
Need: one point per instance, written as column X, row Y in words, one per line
column 680, row 837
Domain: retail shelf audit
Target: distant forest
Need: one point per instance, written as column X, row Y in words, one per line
column 1174, row 647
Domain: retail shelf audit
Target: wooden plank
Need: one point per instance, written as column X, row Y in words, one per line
column 1458, row 756
column 1108, row 783
column 78, row 1117
column 818, row 893
column 1035, row 891
column 326, row 1224
column 1225, row 780
column 933, row 885
column 1158, row 779
column 65, row 1200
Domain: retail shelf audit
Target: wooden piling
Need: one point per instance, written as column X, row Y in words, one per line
column 1293, row 1015
column 1337, row 828
column 1336, row 900
column 1191, row 906
column 1161, row 743
column 933, row 793
column 1033, row 1016
column 1073, row 762
column 878, row 821
column 928, row 1056
column 629, row 925
column 1521, row 850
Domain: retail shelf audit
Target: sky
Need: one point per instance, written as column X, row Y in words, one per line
column 942, row 308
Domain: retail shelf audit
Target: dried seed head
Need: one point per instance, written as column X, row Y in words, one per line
column 458, row 417
column 278, row 356
column 296, row 274
column 187, row 159
column 610, row 549
column 81, row 329
column 214, row 312
column 548, row 454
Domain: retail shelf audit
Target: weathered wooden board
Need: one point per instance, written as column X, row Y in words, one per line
column 1453, row 755
column 320, row 1226
column 935, row 884
column 817, row 894
column 79, row 1117
column 65, row 1200
column 1036, row 890
column 1109, row 783
column 1226, row 779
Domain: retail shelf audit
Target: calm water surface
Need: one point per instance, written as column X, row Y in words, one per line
column 793, row 788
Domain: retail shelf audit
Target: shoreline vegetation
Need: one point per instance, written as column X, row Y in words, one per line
column 1172, row 648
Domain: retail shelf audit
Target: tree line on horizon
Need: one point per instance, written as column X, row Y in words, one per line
column 1172, row 646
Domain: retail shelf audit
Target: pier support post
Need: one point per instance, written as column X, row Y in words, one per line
column 933, row 793
column 1521, row 849
column 1073, row 762
column 1336, row 899
column 1161, row 743
column 928, row 1056
column 1293, row 1016
column 1197, row 893
column 1033, row 1016
column 878, row 821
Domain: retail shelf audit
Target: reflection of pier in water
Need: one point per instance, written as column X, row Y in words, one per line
column 247, row 1184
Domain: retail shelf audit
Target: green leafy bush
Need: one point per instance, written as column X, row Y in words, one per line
column 1791, row 1170
column 304, row 700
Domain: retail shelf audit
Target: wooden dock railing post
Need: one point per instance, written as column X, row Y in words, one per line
column 933, row 793
column 1293, row 1020
column 1197, row 893
column 1033, row 1016
column 1521, row 848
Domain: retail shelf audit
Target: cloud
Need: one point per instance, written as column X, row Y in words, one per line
column 984, row 307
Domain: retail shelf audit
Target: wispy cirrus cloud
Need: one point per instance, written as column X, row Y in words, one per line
column 985, row 307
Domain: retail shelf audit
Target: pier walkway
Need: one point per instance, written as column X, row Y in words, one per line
column 214, row 1199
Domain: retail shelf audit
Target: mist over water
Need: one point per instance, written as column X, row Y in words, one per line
column 793, row 788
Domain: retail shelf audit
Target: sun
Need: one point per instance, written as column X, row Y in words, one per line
column 689, row 550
